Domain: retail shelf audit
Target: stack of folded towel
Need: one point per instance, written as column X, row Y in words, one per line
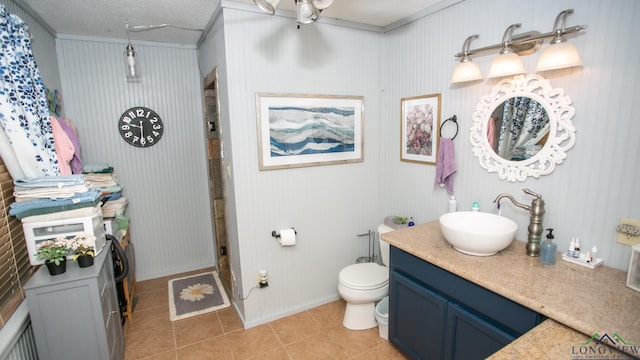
column 103, row 178
column 113, row 208
column 49, row 194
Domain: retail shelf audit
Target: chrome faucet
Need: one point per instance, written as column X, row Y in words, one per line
column 535, row 221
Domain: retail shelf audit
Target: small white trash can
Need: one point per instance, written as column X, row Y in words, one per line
column 382, row 317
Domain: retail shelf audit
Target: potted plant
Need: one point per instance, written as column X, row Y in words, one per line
column 83, row 247
column 396, row 222
column 54, row 253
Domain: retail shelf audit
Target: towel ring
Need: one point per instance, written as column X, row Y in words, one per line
column 453, row 119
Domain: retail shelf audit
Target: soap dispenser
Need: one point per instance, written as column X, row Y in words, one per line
column 548, row 249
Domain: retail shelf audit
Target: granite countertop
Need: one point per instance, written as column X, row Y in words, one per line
column 548, row 340
column 578, row 300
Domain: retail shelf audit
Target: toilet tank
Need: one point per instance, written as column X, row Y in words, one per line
column 384, row 246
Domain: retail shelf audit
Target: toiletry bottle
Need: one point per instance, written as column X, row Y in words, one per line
column 548, row 250
column 411, row 223
column 576, row 251
column 594, row 254
column 475, row 207
column 572, row 247
column 453, row 204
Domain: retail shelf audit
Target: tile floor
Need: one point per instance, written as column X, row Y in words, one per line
column 313, row 334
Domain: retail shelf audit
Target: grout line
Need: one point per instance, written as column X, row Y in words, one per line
column 173, row 332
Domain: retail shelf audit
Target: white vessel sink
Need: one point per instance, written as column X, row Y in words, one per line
column 477, row 233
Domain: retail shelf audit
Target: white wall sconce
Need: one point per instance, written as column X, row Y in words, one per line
column 558, row 55
column 130, row 57
column 130, row 62
column 307, row 11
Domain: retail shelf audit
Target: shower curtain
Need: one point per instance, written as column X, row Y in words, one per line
column 26, row 142
column 524, row 123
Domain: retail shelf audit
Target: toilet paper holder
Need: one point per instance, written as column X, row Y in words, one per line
column 276, row 234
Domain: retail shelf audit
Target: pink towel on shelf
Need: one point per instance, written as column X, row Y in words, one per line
column 64, row 146
column 445, row 164
column 72, row 133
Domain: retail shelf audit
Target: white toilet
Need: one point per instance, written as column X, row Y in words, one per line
column 362, row 285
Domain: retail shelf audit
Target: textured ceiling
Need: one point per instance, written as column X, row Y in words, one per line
column 106, row 18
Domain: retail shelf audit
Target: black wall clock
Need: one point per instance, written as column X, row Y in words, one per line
column 140, row 126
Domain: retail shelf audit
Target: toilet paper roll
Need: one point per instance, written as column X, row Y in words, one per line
column 287, row 237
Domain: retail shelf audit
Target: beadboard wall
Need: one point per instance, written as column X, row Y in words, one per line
column 586, row 195
column 327, row 205
column 212, row 56
column 166, row 184
column 598, row 182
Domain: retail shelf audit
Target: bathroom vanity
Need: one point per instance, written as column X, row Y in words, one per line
column 445, row 304
column 435, row 314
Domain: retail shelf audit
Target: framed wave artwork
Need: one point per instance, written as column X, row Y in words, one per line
column 309, row 130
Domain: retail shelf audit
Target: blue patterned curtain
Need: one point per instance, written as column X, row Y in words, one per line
column 524, row 123
column 24, row 111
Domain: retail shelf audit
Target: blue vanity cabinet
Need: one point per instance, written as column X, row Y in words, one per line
column 417, row 318
column 434, row 314
column 470, row 336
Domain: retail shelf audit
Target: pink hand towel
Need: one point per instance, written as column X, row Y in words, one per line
column 445, row 164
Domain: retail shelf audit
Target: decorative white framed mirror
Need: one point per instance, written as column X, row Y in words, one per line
column 522, row 128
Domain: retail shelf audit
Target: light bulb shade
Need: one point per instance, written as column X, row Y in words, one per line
column 506, row 65
column 559, row 56
column 307, row 13
column 130, row 62
column 466, row 71
column 268, row 6
column 321, row 4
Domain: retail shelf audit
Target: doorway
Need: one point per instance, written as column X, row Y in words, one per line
column 217, row 194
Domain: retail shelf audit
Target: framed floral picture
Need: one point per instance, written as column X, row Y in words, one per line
column 296, row 130
column 420, row 128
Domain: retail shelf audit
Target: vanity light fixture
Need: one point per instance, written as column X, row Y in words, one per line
column 466, row 70
column 509, row 63
column 307, row 11
column 559, row 54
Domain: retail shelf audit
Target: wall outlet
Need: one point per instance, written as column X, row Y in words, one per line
column 625, row 231
column 263, row 280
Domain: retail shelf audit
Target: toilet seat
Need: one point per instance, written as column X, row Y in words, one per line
column 364, row 276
